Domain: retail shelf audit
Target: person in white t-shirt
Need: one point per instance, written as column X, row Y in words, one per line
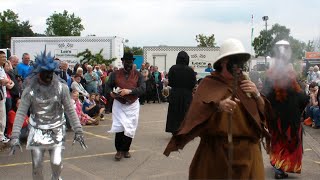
column 3, row 82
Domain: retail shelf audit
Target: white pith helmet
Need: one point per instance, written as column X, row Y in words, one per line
column 232, row 47
column 283, row 42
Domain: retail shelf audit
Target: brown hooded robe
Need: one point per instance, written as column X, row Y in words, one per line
column 206, row 121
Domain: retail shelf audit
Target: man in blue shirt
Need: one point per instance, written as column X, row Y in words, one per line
column 209, row 68
column 23, row 67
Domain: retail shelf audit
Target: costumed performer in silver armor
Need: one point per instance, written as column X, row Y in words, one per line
column 48, row 99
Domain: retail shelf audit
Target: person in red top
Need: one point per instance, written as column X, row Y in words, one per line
column 11, row 116
column 128, row 85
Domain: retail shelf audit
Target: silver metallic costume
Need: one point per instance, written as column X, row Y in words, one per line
column 47, row 104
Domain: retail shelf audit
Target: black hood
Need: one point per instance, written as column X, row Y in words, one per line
column 182, row 58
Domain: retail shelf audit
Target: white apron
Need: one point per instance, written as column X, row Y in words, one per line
column 125, row 118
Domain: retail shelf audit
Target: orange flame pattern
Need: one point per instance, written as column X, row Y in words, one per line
column 285, row 155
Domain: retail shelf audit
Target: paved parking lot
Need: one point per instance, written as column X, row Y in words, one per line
column 147, row 161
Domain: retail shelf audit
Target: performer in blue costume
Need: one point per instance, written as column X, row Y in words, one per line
column 48, row 99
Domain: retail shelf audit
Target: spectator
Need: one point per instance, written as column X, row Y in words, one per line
column 14, row 60
column 157, row 78
column 209, row 68
column 76, row 66
column 9, row 86
column 99, row 73
column 143, row 67
column 84, row 67
column 104, row 73
column 3, row 82
column 11, row 117
column 110, row 70
column 24, row 67
column 147, row 66
column 311, row 75
column 313, row 103
column 143, row 97
column 90, row 107
column 79, row 72
column 64, row 66
column 100, row 105
column 77, row 86
column 91, row 79
column 85, row 119
column 316, row 74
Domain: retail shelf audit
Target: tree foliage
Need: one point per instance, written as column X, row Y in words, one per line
column 64, row 24
column 88, row 57
column 10, row 26
column 205, row 41
column 310, row 46
column 264, row 43
column 134, row 50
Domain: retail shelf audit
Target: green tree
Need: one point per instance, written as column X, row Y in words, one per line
column 310, row 47
column 10, row 26
column 134, row 50
column 64, row 24
column 88, row 57
column 264, row 43
column 205, row 41
column 298, row 48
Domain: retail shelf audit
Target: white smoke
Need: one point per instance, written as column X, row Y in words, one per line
column 282, row 69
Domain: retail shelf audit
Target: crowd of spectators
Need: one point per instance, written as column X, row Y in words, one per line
column 87, row 89
column 312, row 111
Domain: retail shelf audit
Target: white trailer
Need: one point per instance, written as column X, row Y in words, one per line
column 67, row 47
column 165, row 56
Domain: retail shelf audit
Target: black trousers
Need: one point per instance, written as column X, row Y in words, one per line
column 122, row 142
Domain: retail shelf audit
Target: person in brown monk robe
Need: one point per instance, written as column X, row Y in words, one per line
column 208, row 115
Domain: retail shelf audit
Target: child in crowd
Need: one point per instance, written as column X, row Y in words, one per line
column 91, row 108
column 85, row 119
column 166, row 89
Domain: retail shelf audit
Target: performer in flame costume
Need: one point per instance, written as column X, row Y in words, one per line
column 287, row 101
column 48, row 99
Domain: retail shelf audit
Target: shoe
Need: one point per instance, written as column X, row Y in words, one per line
column 89, row 122
column 127, row 154
column 281, row 176
column 118, row 156
column 5, row 140
column 101, row 117
column 308, row 121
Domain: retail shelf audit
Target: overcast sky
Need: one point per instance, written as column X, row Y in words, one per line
column 175, row 22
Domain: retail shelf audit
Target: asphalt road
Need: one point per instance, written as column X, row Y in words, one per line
column 147, row 161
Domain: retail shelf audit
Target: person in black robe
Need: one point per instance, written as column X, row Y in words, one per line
column 182, row 80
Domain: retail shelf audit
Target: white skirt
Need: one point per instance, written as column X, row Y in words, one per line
column 46, row 139
column 125, row 118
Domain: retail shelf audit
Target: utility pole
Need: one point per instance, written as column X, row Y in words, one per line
column 265, row 18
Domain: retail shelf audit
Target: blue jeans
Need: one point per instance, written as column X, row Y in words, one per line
column 92, row 89
column 316, row 116
column 309, row 111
